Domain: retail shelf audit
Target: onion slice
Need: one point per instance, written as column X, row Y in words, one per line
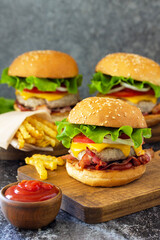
column 62, row 89
column 116, row 89
column 126, row 85
column 107, row 139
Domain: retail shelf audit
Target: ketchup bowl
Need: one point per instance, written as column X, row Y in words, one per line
column 32, row 214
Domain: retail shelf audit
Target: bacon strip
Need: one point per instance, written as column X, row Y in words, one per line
column 90, row 160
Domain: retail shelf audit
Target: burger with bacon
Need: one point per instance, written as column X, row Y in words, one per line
column 44, row 79
column 105, row 138
column 132, row 78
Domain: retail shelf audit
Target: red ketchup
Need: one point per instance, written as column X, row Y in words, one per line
column 31, row 191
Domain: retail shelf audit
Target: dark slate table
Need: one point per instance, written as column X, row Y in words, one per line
column 141, row 225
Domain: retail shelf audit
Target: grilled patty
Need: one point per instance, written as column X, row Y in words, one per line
column 108, row 154
column 145, row 106
column 68, row 100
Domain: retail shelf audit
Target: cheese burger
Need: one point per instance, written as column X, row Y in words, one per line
column 130, row 77
column 105, row 138
column 44, row 80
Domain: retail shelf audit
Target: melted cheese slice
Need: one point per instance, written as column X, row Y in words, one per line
column 76, row 148
column 48, row 96
column 137, row 99
column 139, row 151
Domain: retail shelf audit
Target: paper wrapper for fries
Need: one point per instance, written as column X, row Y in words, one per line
column 9, row 124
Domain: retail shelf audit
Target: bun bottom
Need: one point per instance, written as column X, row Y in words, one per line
column 106, row 178
column 56, row 116
column 152, row 119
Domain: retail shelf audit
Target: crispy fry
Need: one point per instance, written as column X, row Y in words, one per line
column 41, row 170
column 48, row 131
column 20, row 139
column 51, row 141
column 47, row 123
column 37, row 131
column 24, row 132
column 43, row 157
column 32, row 130
column 42, row 162
column 50, row 165
column 60, row 161
column 42, row 143
column 30, row 140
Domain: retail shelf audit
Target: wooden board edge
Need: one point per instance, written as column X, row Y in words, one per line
column 110, row 212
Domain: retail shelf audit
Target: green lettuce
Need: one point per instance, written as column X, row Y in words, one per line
column 104, row 83
column 67, row 131
column 43, row 84
column 6, row 105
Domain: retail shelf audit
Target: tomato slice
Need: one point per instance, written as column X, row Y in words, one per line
column 124, row 136
column 35, row 90
column 81, row 138
column 130, row 93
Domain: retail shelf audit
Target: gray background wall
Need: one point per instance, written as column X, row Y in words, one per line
column 87, row 30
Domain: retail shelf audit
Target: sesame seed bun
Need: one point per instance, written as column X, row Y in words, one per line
column 44, row 64
column 130, row 65
column 104, row 178
column 107, row 112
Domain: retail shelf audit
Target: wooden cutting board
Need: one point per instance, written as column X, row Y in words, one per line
column 97, row 204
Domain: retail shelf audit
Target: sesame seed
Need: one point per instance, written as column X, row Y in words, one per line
column 113, row 117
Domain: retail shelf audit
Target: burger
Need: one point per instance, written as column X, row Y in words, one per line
column 105, row 138
column 44, row 80
column 132, row 78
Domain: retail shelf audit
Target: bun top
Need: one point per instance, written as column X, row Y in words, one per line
column 130, row 65
column 44, row 64
column 107, row 112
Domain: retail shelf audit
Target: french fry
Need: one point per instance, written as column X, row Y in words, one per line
column 32, row 130
column 48, row 131
column 20, row 139
column 42, row 143
column 47, row 123
column 43, row 162
column 30, row 140
column 37, row 131
column 50, row 165
column 58, row 160
column 24, row 132
column 51, row 141
column 41, row 170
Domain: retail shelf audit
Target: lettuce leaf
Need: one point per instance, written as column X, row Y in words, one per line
column 67, row 131
column 104, row 83
column 6, row 105
column 43, row 84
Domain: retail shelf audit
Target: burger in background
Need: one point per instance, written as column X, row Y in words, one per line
column 105, row 138
column 132, row 78
column 44, row 79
